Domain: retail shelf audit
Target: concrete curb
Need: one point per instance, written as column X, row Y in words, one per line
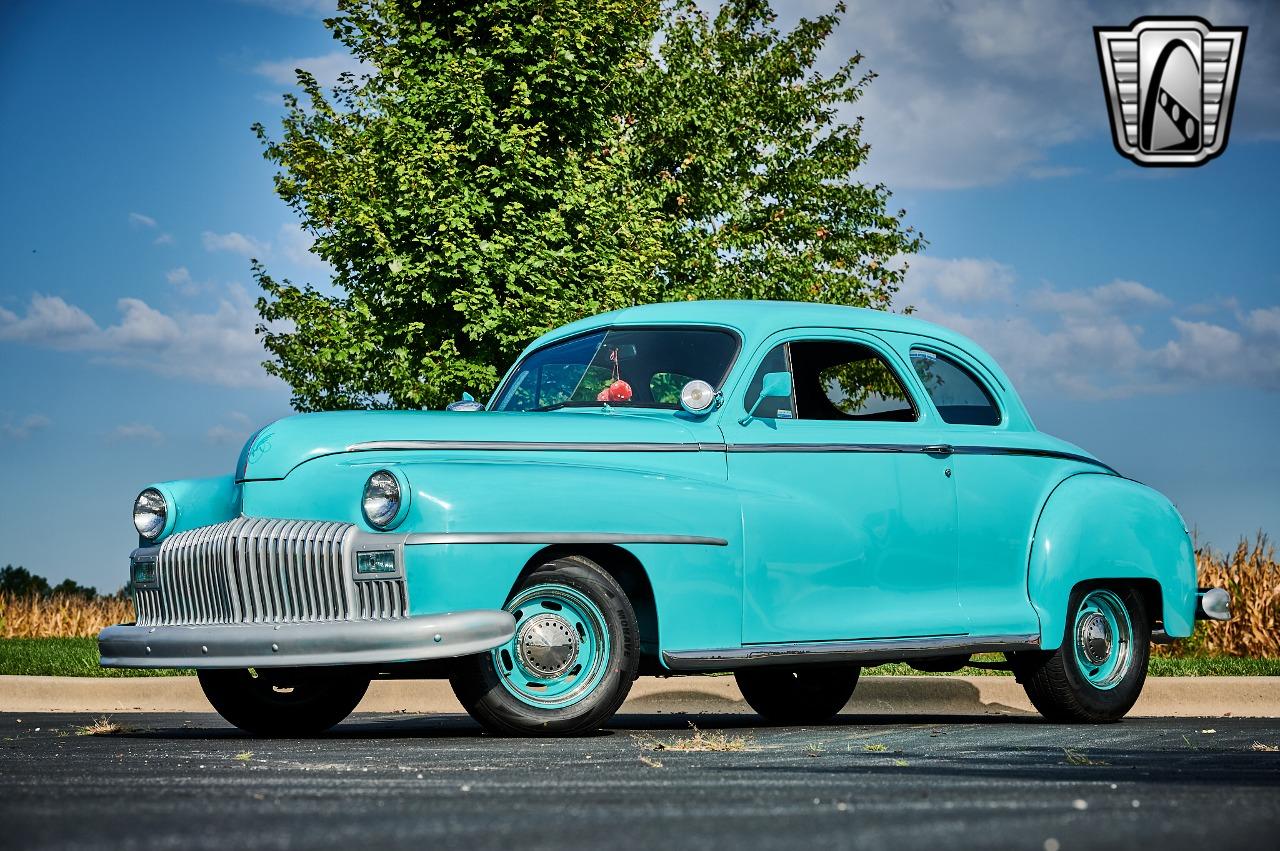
column 1185, row 697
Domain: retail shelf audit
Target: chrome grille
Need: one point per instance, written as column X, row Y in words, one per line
column 258, row 570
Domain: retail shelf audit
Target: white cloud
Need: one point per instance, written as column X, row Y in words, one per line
column 48, row 320
column 964, row 278
column 217, row 347
column 23, row 428
column 235, row 434
column 164, row 239
column 309, row 8
column 295, row 244
column 140, row 220
column 1116, row 298
column 235, row 242
column 324, row 68
column 135, row 431
column 981, row 92
column 1118, row 339
column 180, row 279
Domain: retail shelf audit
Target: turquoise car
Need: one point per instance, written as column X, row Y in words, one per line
column 788, row 492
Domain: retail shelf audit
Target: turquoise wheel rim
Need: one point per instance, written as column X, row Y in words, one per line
column 560, row 651
column 1103, row 639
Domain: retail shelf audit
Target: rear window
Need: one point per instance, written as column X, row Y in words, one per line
column 959, row 397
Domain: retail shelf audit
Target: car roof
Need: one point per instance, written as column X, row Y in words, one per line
column 756, row 320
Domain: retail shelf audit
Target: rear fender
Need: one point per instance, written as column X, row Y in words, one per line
column 1098, row 527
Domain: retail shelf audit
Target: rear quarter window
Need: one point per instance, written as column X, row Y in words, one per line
column 961, row 399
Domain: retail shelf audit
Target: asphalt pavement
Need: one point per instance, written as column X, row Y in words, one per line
column 189, row 781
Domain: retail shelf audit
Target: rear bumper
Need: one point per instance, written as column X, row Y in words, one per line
column 408, row 639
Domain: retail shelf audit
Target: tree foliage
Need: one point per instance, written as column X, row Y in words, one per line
column 755, row 166
column 507, row 166
column 21, row 582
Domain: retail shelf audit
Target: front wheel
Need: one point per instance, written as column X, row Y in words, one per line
column 1097, row 673
column 263, row 704
column 805, row 695
column 570, row 664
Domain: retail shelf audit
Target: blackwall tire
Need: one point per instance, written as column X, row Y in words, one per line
column 308, row 707
column 801, row 695
column 1078, row 683
column 571, row 663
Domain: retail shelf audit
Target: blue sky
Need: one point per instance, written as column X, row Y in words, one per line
column 1138, row 310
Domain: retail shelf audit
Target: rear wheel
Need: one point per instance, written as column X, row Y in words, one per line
column 570, row 664
column 805, row 695
column 1097, row 673
column 264, row 704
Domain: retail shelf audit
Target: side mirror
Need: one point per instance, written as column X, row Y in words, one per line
column 776, row 385
column 466, row 403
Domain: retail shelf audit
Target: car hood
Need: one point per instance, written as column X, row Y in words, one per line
column 276, row 449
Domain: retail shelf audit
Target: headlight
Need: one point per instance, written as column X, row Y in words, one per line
column 381, row 501
column 150, row 513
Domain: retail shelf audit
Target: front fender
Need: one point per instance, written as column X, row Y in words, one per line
column 1098, row 526
column 197, row 502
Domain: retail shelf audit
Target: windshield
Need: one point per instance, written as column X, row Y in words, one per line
column 625, row 367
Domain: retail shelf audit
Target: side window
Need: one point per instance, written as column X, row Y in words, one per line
column 665, row 387
column 959, row 397
column 771, row 409
column 836, row 380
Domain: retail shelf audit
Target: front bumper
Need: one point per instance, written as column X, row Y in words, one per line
column 409, row 639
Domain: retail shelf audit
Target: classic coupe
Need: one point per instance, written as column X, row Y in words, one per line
column 788, row 492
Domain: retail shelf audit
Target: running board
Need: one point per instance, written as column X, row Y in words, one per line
column 871, row 651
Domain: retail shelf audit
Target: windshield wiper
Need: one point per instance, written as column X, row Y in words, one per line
column 553, row 407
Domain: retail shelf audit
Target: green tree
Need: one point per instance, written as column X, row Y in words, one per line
column 754, row 167
column 21, row 582
column 468, row 193
column 510, row 165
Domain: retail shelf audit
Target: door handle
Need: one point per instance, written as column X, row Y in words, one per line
column 937, row 449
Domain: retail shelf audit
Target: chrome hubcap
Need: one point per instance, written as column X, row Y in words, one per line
column 547, row 644
column 1094, row 635
column 1103, row 639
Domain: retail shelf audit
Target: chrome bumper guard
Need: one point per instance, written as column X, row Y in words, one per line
column 1213, row 604
column 409, row 639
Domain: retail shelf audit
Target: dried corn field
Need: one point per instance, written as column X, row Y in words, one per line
column 1252, row 577
column 1250, row 574
column 60, row 616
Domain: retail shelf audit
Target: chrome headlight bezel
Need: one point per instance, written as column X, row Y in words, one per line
column 384, row 501
column 150, row 513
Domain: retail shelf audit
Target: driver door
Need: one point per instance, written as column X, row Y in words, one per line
column 849, row 524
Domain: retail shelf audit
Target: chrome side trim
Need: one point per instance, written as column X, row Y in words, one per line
column 872, row 650
column 419, row 538
column 928, row 449
column 520, row 446
column 374, row 642
column 544, row 446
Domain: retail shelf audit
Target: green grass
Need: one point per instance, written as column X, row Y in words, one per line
column 63, row 657
column 78, row 657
